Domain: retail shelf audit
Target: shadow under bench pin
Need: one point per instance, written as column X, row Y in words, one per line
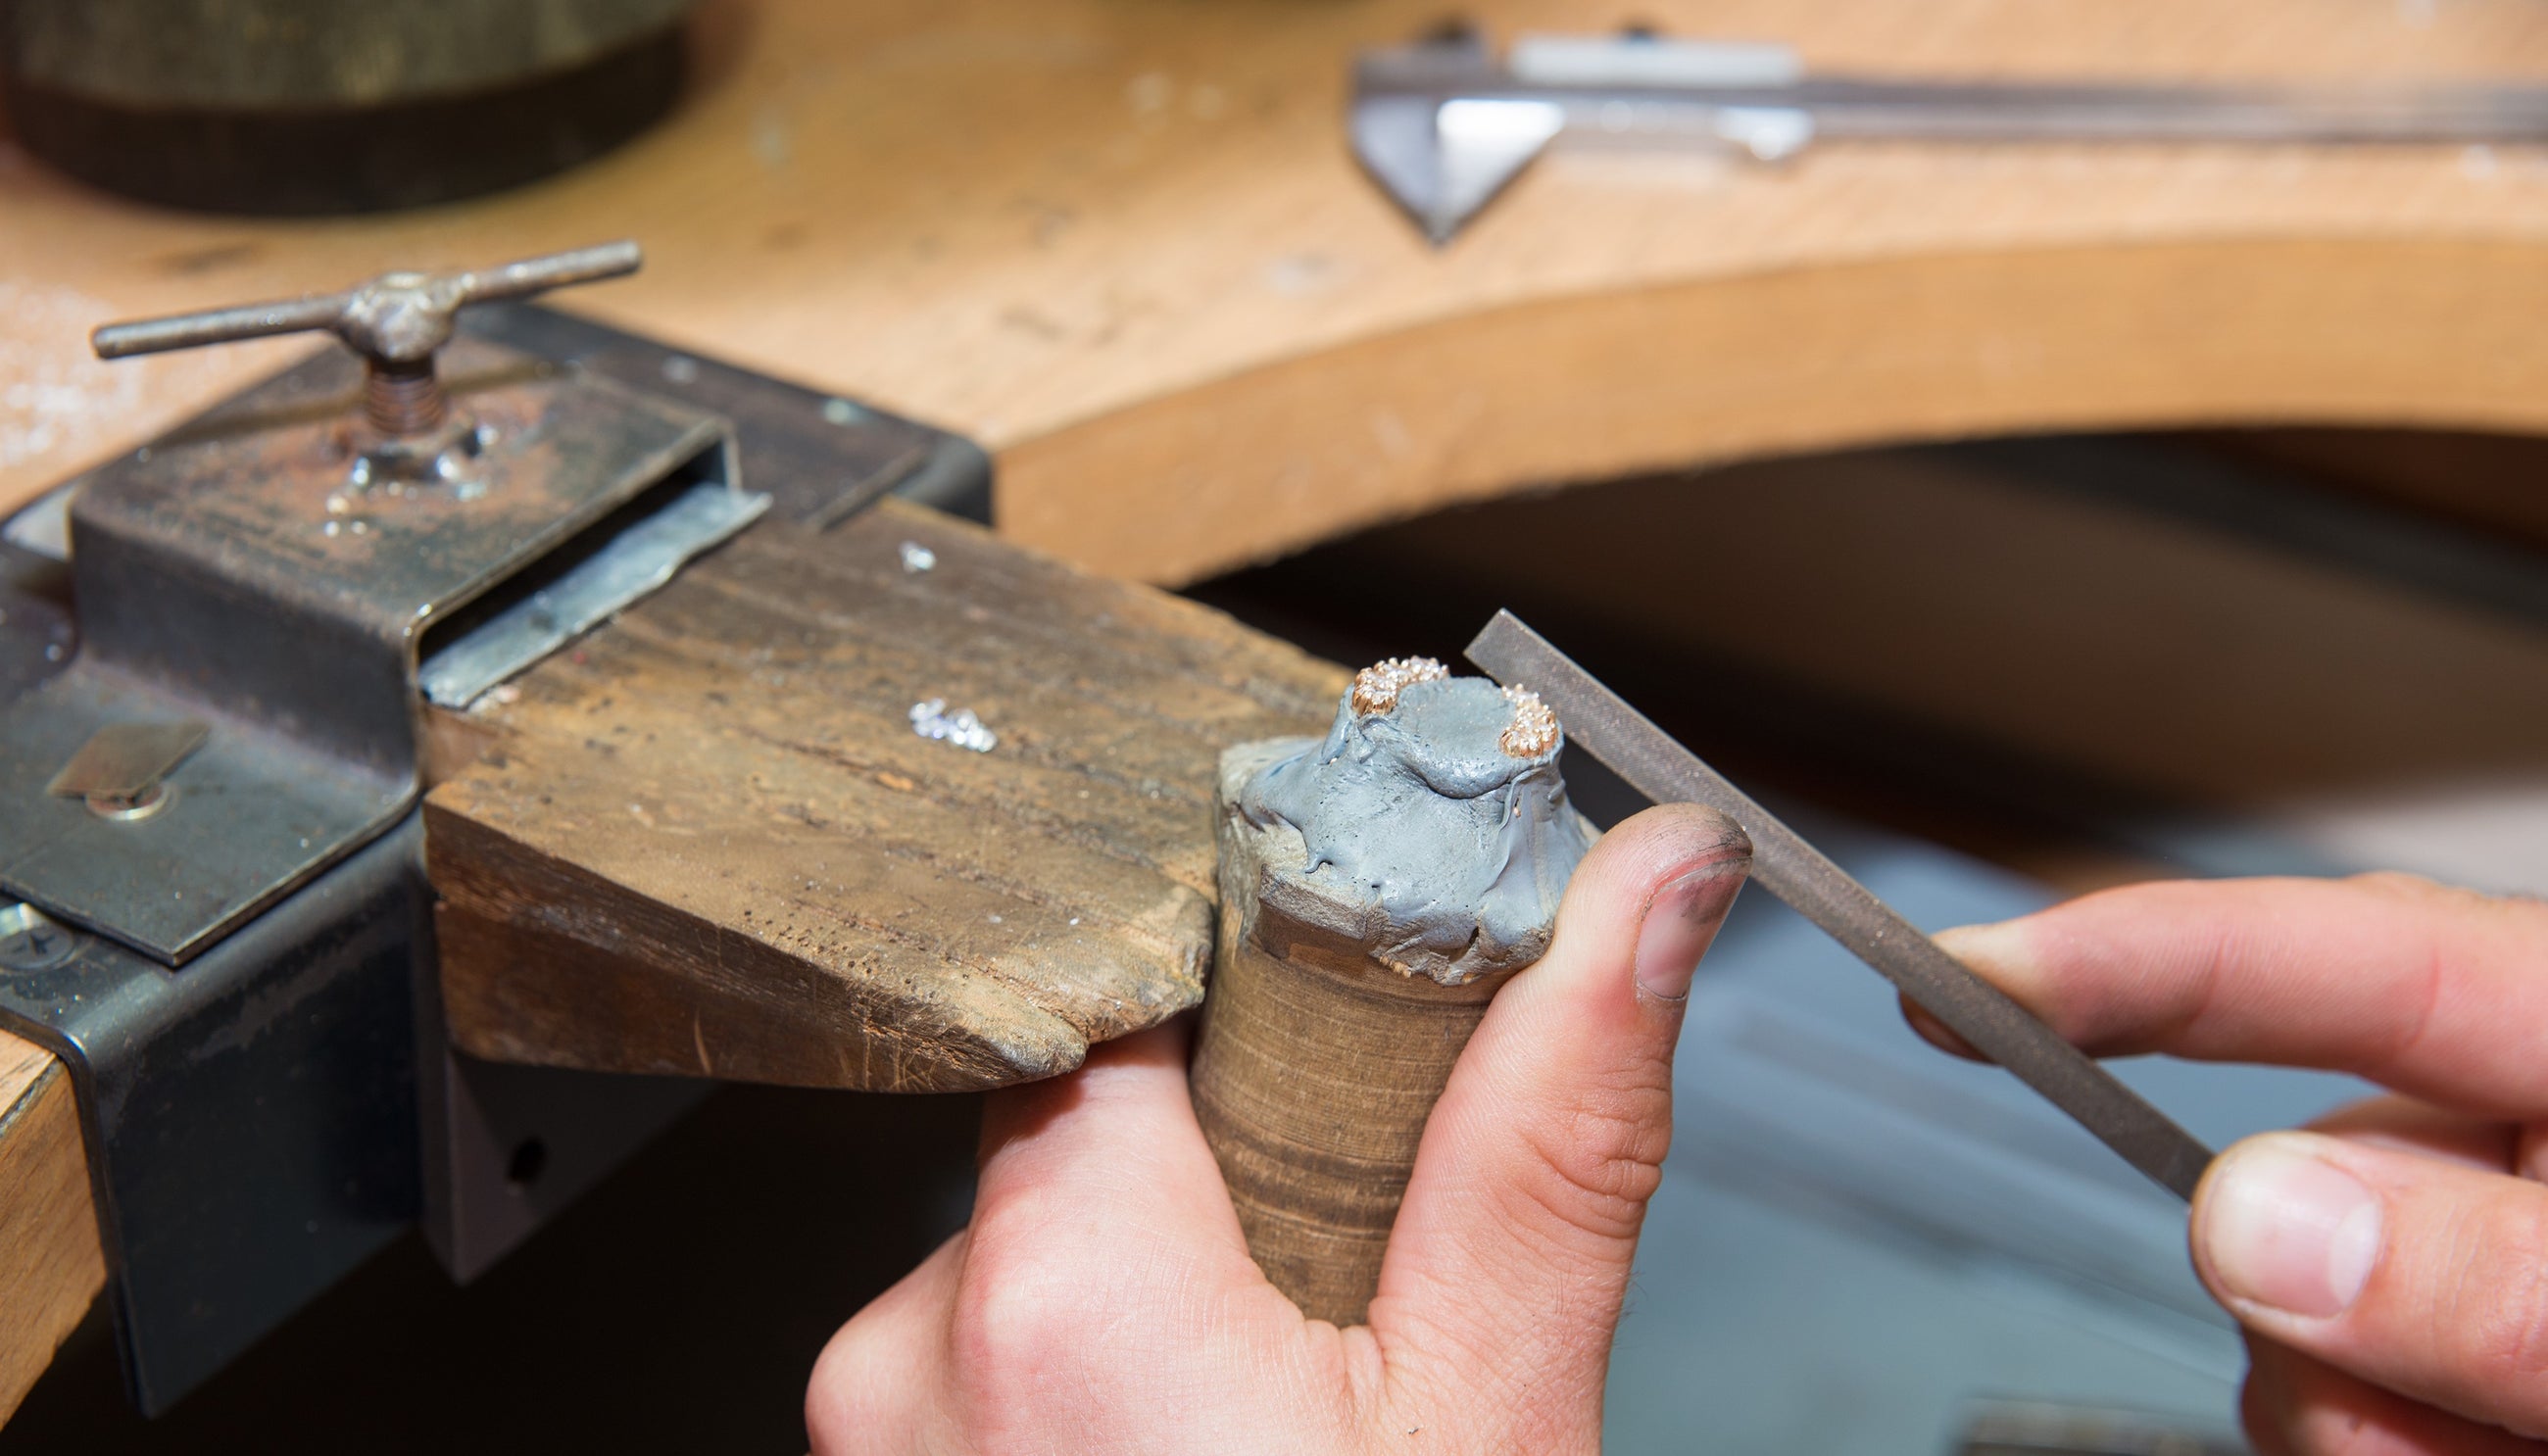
column 213, row 902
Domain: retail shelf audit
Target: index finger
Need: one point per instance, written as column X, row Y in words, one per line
column 1109, row 1148
column 2437, row 992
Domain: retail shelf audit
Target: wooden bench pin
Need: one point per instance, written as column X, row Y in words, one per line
column 1377, row 887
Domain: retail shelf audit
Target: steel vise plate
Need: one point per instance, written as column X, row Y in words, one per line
column 284, row 609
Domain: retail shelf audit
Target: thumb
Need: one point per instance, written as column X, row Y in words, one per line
column 2416, row 1274
column 1521, row 1217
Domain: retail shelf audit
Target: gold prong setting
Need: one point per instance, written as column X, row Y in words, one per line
column 1534, row 729
column 1375, row 687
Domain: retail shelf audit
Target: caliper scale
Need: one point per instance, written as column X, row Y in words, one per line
column 1445, row 125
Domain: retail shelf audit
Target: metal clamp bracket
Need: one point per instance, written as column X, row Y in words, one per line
column 209, row 810
column 270, row 571
column 265, row 1117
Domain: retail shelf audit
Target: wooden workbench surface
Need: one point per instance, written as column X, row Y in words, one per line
column 1123, row 243
column 707, row 841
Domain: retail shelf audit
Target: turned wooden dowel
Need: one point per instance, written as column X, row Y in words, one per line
column 1377, row 888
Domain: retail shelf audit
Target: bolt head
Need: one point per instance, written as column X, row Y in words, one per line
column 30, row 940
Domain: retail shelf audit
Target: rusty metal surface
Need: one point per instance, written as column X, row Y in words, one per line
column 1824, row 893
column 289, row 542
column 396, row 322
column 238, row 1178
column 236, row 572
column 397, row 316
column 821, row 458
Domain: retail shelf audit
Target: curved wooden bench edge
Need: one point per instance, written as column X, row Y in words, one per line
column 1648, row 379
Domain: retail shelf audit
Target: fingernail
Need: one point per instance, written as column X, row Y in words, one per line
column 1997, row 944
column 1679, row 923
column 2290, row 1231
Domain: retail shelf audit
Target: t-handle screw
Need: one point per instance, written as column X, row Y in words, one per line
column 396, row 323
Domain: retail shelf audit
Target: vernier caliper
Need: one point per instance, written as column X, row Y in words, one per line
column 1445, row 126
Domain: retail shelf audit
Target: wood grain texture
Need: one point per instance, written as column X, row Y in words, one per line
column 50, row 1266
column 1783, row 362
column 1316, row 1065
column 1123, row 243
column 707, row 840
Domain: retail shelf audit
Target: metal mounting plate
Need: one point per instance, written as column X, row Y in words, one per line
column 250, row 1120
column 283, row 609
column 634, row 563
column 245, row 818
